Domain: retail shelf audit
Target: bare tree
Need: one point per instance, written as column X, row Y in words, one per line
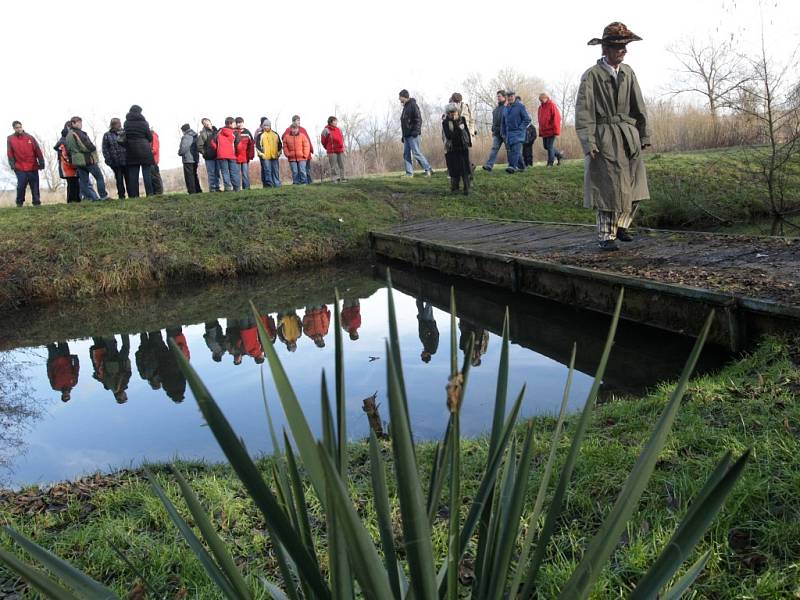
column 565, row 94
column 51, row 172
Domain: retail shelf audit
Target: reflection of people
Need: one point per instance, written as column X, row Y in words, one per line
column 351, row 317
column 316, row 321
column 428, row 331
column 147, row 358
column 62, row 369
column 289, row 329
column 250, row 342
column 112, row 366
column 233, row 340
column 481, row 340
column 215, row 340
column 172, row 378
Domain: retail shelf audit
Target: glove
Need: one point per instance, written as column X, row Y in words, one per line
column 40, row 163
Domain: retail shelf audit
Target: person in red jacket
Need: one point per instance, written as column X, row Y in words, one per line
column 296, row 121
column 26, row 160
column 225, row 145
column 155, row 173
column 62, row 369
column 333, row 142
column 351, row 317
column 549, row 128
column 316, row 322
column 245, row 151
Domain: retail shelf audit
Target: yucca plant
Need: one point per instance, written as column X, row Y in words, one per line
column 510, row 536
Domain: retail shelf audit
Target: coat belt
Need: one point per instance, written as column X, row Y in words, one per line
column 615, row 119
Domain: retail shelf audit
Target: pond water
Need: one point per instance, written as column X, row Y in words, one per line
column 127, row 402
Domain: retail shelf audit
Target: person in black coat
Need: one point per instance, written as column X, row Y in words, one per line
column 138, row 137
column 457, row 141
column 527, row 145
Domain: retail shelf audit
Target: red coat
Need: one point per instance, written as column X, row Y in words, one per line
column 251, row 343
column 549, row 120
column 24, row 152
column 66, row 166
column 333, row 140
column 296, row 147
column 317, row 320
column 305, row 133
column 63, row 372
column 245, row 149
column 224, row 144
column 351, row 318
column 180, row 339
column 155, row 146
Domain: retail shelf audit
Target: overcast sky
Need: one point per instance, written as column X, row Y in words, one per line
column 184, row 60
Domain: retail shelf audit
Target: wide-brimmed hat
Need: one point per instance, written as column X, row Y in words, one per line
column 615, row 33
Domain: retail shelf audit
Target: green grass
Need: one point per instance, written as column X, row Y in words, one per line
column 58, row 251
column 755, row 540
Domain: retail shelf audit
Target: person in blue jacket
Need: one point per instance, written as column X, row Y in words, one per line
column 515, row 122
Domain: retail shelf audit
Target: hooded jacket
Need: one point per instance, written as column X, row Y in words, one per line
column 185, row 148
column 296, row 146
column 225, row 144
column 515, row 121
column 269, row 145
column 82, row 152
column 549, row 119
column 137, row 139
column 114, row 153
column 24, row 153
column 245, row 148
column 332, row 140
column 411, row 119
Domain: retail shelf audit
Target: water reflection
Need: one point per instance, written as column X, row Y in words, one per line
column 112, row 366
column 62, row 369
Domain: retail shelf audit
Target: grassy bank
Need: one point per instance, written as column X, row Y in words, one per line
column 61, row 251
column 755, row 541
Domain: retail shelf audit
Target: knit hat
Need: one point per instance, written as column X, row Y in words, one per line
column 615, row 33
column 452, row 107
column 185, row 127
column 404, row 93
column 265, row 122
column 135, row 109
column 264, row 119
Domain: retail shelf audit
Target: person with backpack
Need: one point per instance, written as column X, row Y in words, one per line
column 224, row 143
column 65, row 168
column 83, row 156
column 298, row 150
column 26, row 160
column 115, row 155
column 527, row 145
column 137, row 142
column 268, row 147
column 333, row 142
column 245, row 151
column 207, row 133
column 189, row 155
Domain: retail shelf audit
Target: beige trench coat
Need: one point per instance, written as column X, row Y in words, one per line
column 610, row 118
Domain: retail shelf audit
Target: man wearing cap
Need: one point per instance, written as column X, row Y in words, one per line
column 611, row 124
column 514, row 125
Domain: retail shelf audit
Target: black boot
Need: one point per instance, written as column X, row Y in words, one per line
column 467, row 184
column 454, row 185
column 623, row 235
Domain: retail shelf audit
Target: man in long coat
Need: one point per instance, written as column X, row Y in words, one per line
column 611, row 124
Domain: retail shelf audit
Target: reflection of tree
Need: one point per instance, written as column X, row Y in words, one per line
column 17, row 405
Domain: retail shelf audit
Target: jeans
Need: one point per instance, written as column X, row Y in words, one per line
column 515, row 156
column 244, row 170
column 527, row 154
column 132, row 180
column 230, row 174
column 270, row 172
column 119, row 178
column 212, row 168
column 87, row 191
column 552, row 151
column 26, row 179
column 336, row 162
column 190, row 178
column 299, row 176
column 411, row 147
column 497, row 141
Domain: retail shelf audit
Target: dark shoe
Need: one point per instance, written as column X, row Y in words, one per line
column 608, row 246
column 429, row 173
column 623, row 235
column 488, row 169
column 558, row 160
column 510, row 170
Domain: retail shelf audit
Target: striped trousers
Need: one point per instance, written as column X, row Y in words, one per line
column 609, row 220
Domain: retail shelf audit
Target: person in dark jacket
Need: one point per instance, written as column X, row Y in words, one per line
column 26, row 160
column 497, row 135
column 411, row 127
column 190, row 156
column 115, row 155
column 428, row 330
column 147, row 358
column 138, row 138
column 527, row 145
column 65, row 168
column 62, row 369
column 457, row 142
column 83, row 156
column 515, row 121
column 112, row 366
column 215, row 340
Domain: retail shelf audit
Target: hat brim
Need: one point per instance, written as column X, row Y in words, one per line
column 616, row 39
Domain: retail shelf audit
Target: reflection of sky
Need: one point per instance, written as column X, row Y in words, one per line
column 92, row 432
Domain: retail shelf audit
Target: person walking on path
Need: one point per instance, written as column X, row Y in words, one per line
column 611, row 124
column 515, row 122
column 189, row 155
column 26, row 160
column 62, row 369
column 65, row 168
column 138, row 138
column 457, row 141
column 333, row 142
column 115, row 155
column 297, row 149
column 224, row 143
column 158, row 183
column 208, row 133
column 411, row 127
column 245, row 151
column 497, row 135
column 83, row 156
column 527, row 145
column 268, row 148
column 549, row 127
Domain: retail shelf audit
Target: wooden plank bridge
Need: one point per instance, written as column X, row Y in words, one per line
column 671, row 279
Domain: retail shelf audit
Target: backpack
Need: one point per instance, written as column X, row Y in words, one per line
column 193, row 149
column 211, row 146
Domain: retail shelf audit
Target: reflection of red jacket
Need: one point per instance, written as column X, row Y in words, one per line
column 251, row 343
column 155, row 146
column 351, row 318
column 333, row 140
column 316, row 321
column 63, row 372
column 224, row 144
column 269, row 325
column 245, row 150
column 180, row 340
column 549, row 119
